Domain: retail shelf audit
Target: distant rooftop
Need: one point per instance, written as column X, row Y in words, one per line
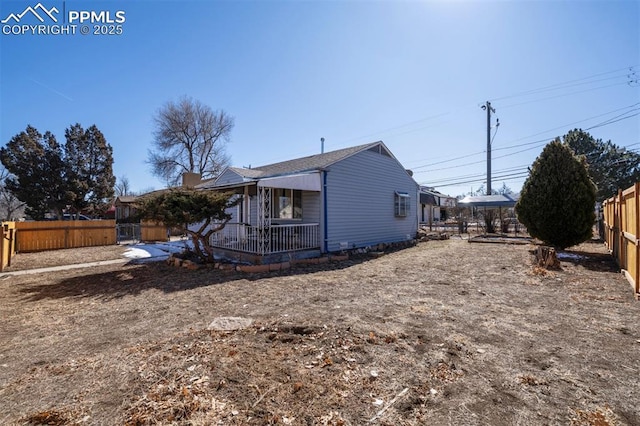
column 501, row 200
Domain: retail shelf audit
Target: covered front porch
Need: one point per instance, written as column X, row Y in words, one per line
column 277, row 238
column 275, row 216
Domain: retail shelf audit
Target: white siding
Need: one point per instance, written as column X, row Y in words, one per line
column 360, row 202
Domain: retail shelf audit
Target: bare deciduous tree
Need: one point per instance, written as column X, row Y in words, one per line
column 10, row 206
column 123, row 187
column 189, row 137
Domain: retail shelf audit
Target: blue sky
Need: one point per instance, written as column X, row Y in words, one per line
column 412, row 74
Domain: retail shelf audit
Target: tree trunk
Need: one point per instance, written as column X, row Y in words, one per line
column 546, row 257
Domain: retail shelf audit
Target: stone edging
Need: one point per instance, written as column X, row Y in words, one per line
column 254, row 269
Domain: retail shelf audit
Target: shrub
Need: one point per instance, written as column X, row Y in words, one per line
column 558, row 198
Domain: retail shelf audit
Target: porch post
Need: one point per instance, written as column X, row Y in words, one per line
column 247, row 205
column 264, row 219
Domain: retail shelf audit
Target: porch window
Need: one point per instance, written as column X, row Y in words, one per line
column 401, row 203
column 287, row 204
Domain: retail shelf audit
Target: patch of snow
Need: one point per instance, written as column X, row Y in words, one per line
column 155, row 251
column 136, row 253
column 572, row 256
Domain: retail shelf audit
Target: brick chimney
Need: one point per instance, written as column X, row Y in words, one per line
column 189, row 180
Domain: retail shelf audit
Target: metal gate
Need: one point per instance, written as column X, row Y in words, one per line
column 128, row 233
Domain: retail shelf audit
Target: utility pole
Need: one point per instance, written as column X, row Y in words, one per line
column 489, row 110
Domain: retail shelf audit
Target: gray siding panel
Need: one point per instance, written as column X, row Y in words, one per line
column 228, row 177
column 310, row 207
column 360, row 201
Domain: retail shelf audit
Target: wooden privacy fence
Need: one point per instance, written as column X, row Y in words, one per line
column 7, row 247
column 622, row 232
column 151, row 231
column 52, row 235
column 61, row 234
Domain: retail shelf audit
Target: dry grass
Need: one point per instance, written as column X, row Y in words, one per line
column 443, row 333
column 47, row 259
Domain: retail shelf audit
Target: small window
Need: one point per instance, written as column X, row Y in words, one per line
column 401, row 203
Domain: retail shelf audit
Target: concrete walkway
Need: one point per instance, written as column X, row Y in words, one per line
column 137, row 253
column 64, row 267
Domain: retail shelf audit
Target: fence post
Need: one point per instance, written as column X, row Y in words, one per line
column 12, row 233
column 637, row 236
column 2, row 249
column 620, row 234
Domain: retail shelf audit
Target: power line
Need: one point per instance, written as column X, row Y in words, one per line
column 507, row 177
column 563, row 94
column 556, row 86
column 448, row 161
column 567, row 83
column 611, row 120
column 478, row 175
column 535, row 143
column 399, row 127
column 513, row 176
column 564, row 126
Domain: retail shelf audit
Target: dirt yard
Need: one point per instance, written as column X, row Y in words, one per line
column 444, row 333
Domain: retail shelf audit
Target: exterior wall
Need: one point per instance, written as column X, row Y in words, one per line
column 360, row 202
column 310, row 207
column 429, row 213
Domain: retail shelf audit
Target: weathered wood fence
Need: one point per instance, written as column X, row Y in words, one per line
column 62, row 234
column 52, row 235
column 622, row 232
column 7, row 247
column 151, row 231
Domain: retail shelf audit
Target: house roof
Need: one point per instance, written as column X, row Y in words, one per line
column 427, row 198
column 125, row 199
column 301, row 165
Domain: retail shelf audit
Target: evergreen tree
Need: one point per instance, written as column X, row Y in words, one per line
column 48, row 177
column 611, row 167
column 558, row 198
column 89, row 161
column 36, row 169
column 177, row 208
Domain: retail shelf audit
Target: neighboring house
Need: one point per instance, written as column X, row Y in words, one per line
column 432, row 205
column 350, row 198
column 125, row 207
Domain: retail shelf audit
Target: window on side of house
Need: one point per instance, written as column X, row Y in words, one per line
column 287, row 204
column 401, row 201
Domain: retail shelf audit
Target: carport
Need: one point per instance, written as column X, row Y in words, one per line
column 490, row 203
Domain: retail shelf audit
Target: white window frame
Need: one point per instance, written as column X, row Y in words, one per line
column 402, row 207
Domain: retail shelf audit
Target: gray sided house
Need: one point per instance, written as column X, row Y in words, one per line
column 350, row 198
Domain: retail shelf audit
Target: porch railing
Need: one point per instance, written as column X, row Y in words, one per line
column 281, row 238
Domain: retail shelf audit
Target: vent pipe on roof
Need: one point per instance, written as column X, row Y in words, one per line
column 321, row 145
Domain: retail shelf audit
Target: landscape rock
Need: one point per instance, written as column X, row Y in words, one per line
column 230, row 323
